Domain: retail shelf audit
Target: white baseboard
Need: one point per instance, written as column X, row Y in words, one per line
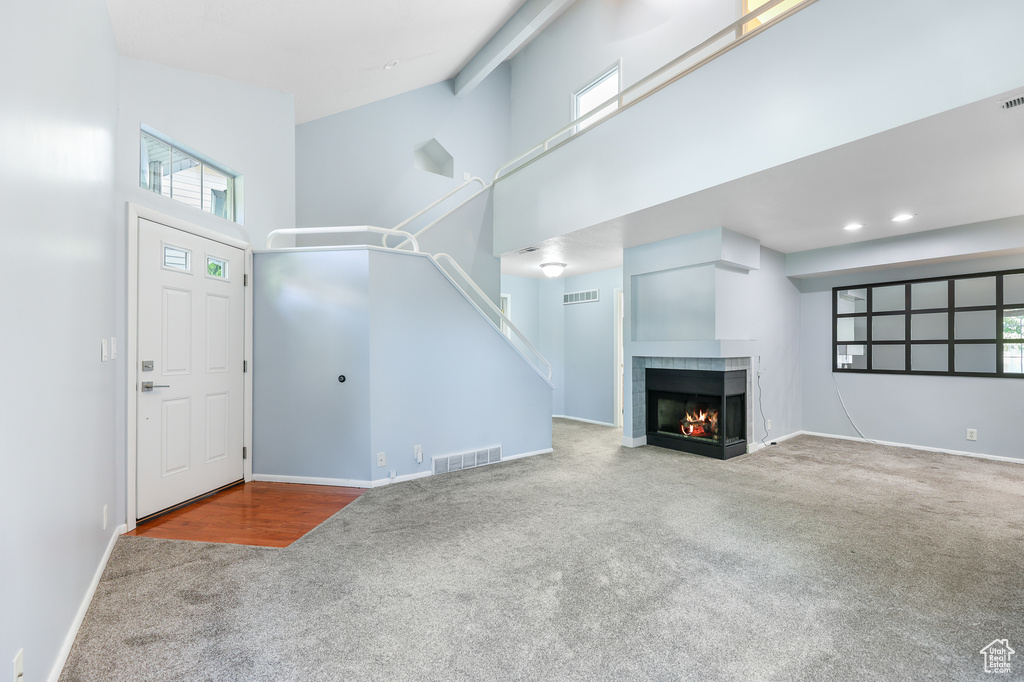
column 758, row 445
column 526, row 454
column 338, row 482
column 69, row 640
column 959, row 453
column 581, row 419
column 634, row 442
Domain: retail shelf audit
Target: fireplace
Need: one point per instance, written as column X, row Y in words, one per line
column 697, row 411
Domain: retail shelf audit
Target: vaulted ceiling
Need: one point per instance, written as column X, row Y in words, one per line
column 330, row 54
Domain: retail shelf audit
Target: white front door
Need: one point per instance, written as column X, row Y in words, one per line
column 191, row 320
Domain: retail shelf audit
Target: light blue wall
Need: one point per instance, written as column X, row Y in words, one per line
column 763, row 104
column 525, row 311
column 221, row 118
column 422, row 366
column 591, row 36
column 356, row 167
column 551, row 336
column 311, row 324
column 578, row 340
column 589, row 354
column 927, row 411
column 756, row 314
column 443, row 376
column 58, row 129
column 247, row 128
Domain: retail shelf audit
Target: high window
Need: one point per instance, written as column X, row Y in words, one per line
column 751, row 5
column 172, row 170
column 968, row 325
column 594, row 94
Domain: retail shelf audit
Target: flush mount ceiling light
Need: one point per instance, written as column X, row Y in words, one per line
column 853, row 226
column 902, row 217
column 552, row 269
column 390, row 65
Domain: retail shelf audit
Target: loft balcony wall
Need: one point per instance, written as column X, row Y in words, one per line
column 835, row 72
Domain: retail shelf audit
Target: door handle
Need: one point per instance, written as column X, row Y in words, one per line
column 148, row 386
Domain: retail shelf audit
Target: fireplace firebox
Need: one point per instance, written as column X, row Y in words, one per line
column 697, row 411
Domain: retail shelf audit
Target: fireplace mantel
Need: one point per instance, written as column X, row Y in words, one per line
column 711, row 348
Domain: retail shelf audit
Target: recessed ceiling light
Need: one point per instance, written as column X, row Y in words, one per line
column 902, row 217
column 853, row 226
column 390, row 65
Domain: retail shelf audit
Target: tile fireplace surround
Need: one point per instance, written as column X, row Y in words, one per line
column 640, row 364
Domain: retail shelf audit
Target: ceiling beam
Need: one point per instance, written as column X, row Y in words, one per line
column 526, row 23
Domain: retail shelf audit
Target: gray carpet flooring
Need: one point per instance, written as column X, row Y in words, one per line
column 816, row 559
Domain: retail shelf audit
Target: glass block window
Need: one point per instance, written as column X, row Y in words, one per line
column 174, row 171
column 969, row 325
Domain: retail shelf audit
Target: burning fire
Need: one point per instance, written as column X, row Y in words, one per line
column 701, row 423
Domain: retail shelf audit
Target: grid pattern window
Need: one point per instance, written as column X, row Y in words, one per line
column 596, row 93
column 186, row 177
column 970, row 325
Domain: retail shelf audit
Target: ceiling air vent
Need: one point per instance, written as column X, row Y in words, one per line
column 1015, row 102
column 528, row 249
column 580, row 297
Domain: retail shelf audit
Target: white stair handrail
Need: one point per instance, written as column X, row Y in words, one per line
column 434, row 203
column 386, row 231
column 448, row 213
column 645, row 86
column 469, row 280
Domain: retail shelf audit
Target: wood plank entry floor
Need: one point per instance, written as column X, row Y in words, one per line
column 255, row 513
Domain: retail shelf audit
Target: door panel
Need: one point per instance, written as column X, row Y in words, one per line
column 191, row 326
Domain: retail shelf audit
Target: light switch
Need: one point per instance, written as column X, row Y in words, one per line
column 104, row 351
column 113, row 348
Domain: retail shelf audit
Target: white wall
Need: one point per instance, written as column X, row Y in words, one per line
column 929, row 411
column 58, row 118
column 833, row 73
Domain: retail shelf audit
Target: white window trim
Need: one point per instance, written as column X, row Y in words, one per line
column 615, row 69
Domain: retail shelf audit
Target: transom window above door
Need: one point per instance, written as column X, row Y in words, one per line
column 170, row 169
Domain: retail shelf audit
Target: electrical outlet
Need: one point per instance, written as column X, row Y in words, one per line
column 392, row 474
column 382, row 460
column 418, row 451
column 104, row 517
column 972, row 434
column 19, row 666
column 768, row 425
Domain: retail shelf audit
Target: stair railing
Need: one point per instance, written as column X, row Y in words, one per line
column 386, row 231
column 539, row 363
column 436, row 202
column 438, row 257
column 650, row 84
